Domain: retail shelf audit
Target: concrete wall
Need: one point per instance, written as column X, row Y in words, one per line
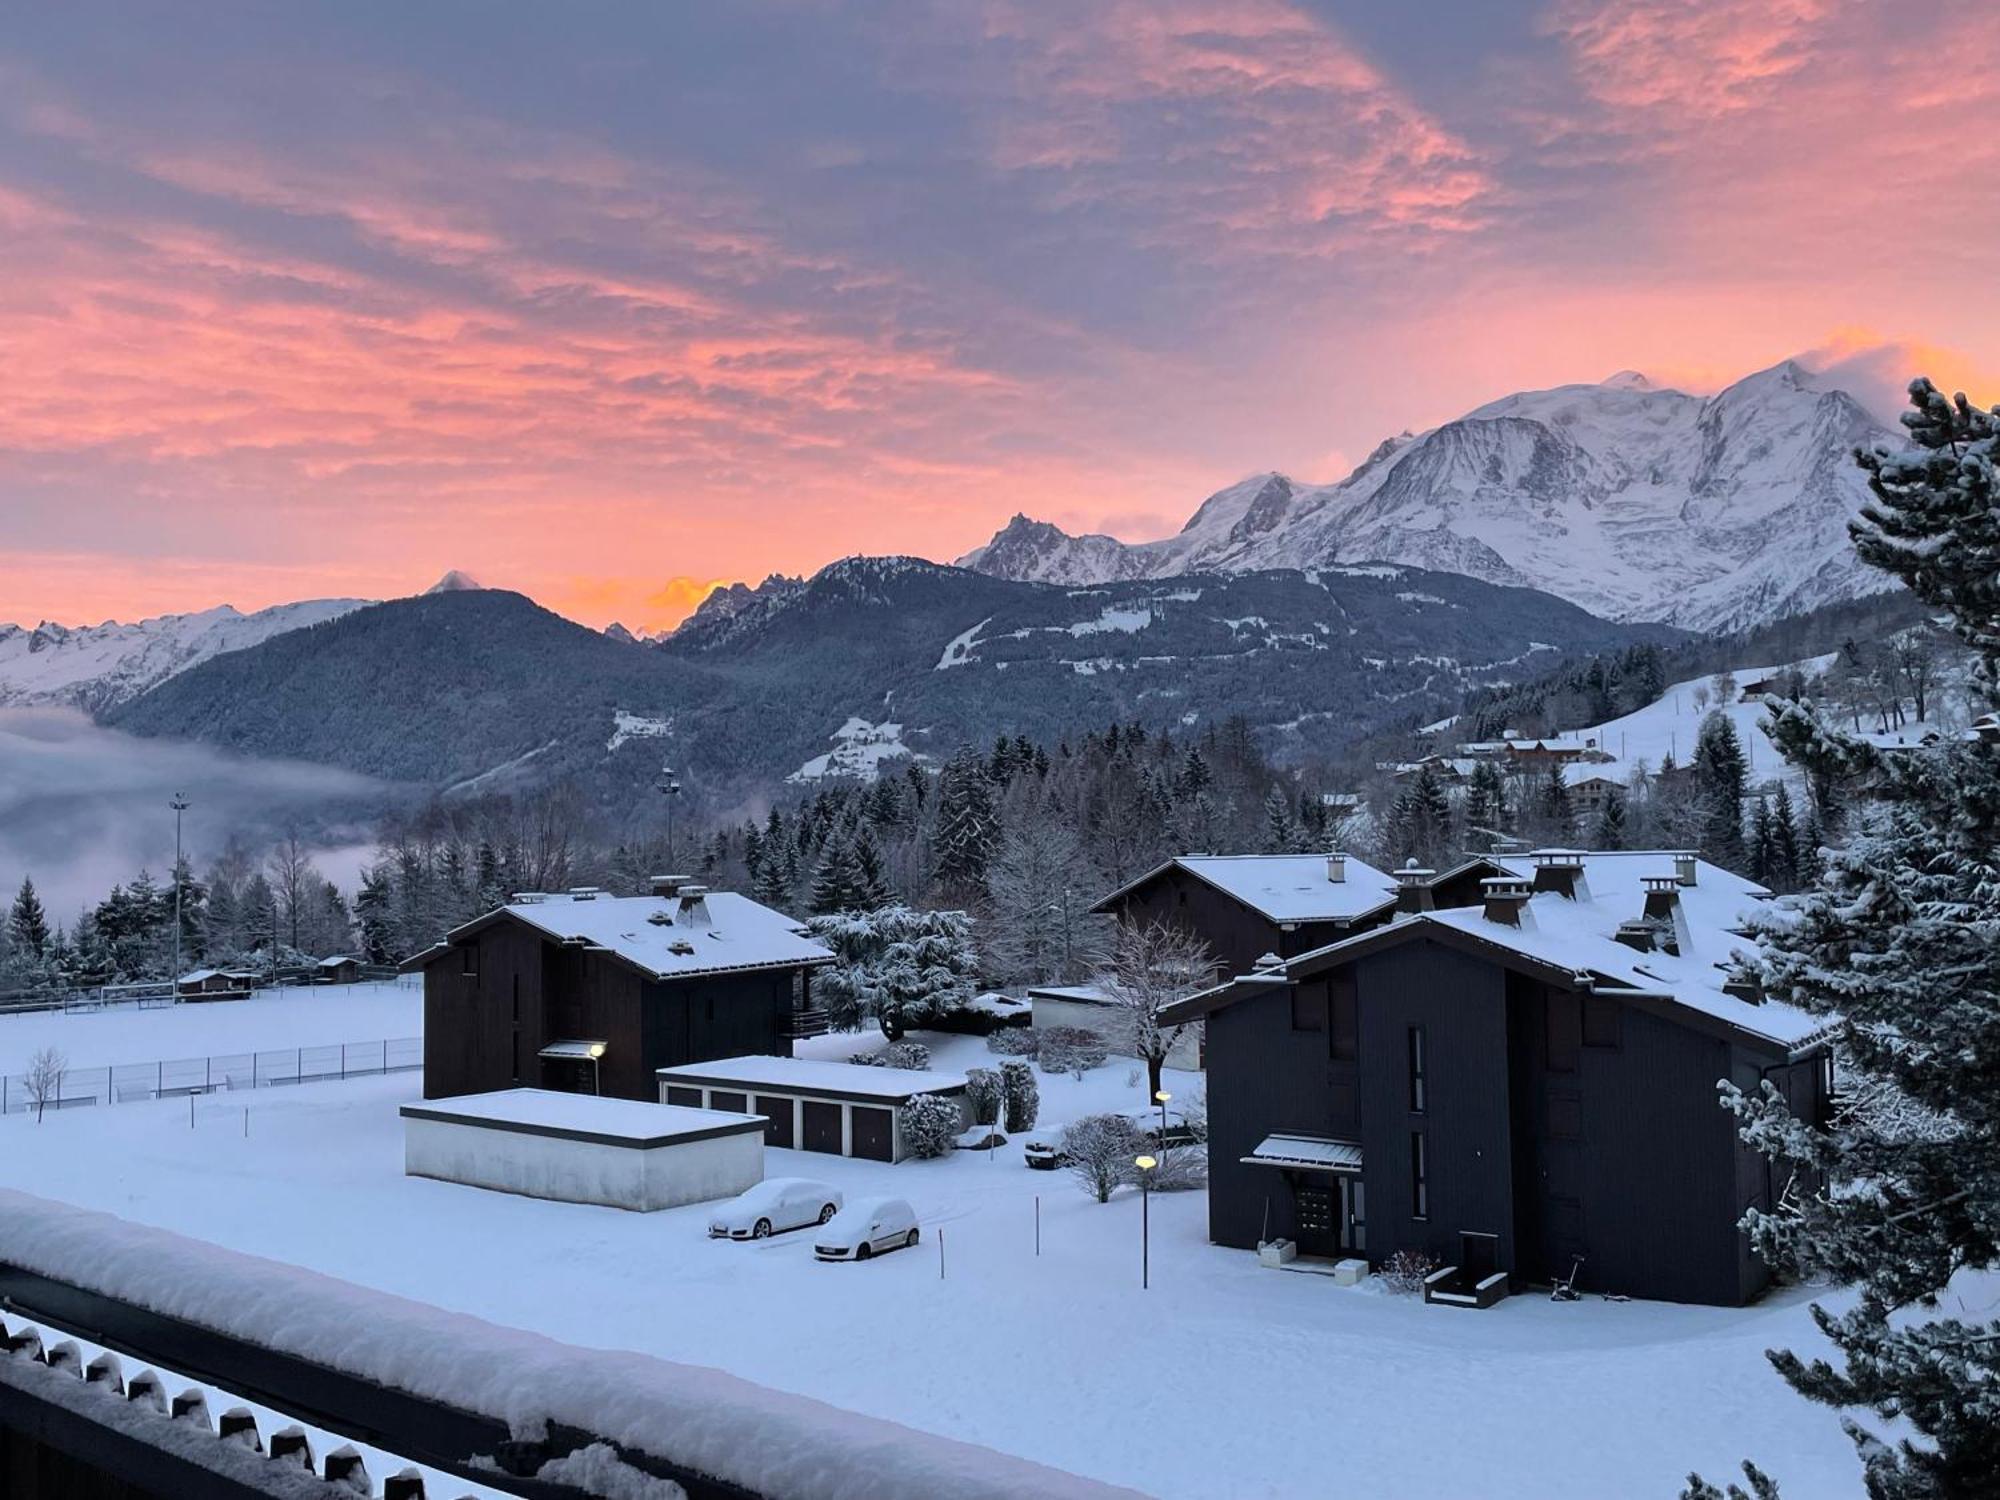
column 572, row 1171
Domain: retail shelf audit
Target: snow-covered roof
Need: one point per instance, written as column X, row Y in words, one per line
column 335, row 960
column 1080, row 994
column 1284, row 887
column 806, row 1075
column 655, row 933
column 633, row 1122
column 1311, row 1152
column 1576, row 935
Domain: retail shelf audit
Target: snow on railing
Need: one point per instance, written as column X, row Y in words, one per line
column 696, row 1419
column 181, row 1408
column 126, row 1083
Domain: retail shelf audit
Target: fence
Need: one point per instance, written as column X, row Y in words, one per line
column 127, row 1083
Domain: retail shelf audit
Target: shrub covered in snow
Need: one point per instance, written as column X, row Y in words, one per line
column 914, row 1056
column 1404, row 1272
column 1101, row 1150
column 867, row 1059
column 930, row 1126
column 1015, row 1041
column 1072, row 1049
column 982, row 1092
column 1022, row 1094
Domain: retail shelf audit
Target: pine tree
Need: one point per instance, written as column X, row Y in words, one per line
column 835, row 881
column 968, row 828
column 1898, row 948
column 1485, row 801
column 372, row 915
column 28, row 926
column 1786, row 865
column 1281, row 833
column 1611, row 821
column 1553, row 805
column 1721, row 778
column 1763, row 842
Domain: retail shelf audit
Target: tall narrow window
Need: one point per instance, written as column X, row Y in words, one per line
column 1308, row 1006
column 468, row 959
column 1419, row 1081
column 1420, row 1178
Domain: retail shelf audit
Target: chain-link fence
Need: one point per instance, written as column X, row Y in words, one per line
column 127, row 1083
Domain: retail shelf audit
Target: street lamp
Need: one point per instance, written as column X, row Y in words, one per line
column 669, row 787
column 1145, row 1164
column 1161, row 1096
column 596, row 1081
column 180, row 804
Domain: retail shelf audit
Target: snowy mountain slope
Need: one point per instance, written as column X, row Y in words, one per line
column 1636, row 502
column 94, row 667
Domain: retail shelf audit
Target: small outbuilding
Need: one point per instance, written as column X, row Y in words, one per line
column 583, row 1148
column 215, row 984
column 340, row 968
column 843, row 1109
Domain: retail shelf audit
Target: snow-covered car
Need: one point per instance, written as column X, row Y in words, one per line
column 866, row 1227
column 981, row 1138
column 773, row 1206
column 1043, row 1150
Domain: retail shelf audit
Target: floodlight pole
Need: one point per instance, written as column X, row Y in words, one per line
column 669, row 787
column 180, row 805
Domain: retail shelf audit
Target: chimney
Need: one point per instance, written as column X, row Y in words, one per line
column 1413, row 889
column 1507, row 901
column 1663, row 910
column 1561, row 871
column 1684, row 868
column 694, row 906
column 1743, row 987
column 529, row 898
column 1637, row 934
column 1336, row 867
column 666, row 887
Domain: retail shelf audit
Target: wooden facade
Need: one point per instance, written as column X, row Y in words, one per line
column 1501, row 1118
column 502, row 991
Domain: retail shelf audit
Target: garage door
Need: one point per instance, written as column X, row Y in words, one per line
column 777, row 1108
column 676, row 1094
column 723, row 1099
column 822, row 1126
column 874, row 1133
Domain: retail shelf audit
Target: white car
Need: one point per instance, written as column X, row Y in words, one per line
column 866, row 1226
column 773, row 1205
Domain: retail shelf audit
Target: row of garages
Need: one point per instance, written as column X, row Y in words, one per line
column 842, row 1109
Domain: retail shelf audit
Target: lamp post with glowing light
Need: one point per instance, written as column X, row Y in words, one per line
column 180, row 804
column 1160, row 1097
column 1145, row 1164
column 596, row 1055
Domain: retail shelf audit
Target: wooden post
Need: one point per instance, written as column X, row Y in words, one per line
column 1038, row 1223
column 940, row 1255
column 190, row 1109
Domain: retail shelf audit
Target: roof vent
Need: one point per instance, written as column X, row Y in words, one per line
column 585, row 892
column 1413, row 889
column 1269, row 961
column 1684, row 868
column 1561, row 871
column 1336, row 866
column 1637, row 934
column 666, row 885
column 661, row 918
column 1507, row 900
column 1743, row 987
column 681, row 946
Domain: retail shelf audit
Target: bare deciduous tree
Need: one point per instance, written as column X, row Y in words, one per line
column 1152, row 966
column 44, row 1078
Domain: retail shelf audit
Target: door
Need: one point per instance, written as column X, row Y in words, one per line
column 874, row 1133
column 682, row 1095
column 1312, row 1205
column 822, row 1126
column 1478, row 1254
column 1353, row 1216
column 778, row 1110
column 736, row 1104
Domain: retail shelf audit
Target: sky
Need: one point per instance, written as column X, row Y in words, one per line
column 612, row 302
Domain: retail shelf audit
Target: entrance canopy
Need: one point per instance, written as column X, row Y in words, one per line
column 575, row 1050
column 1306, row 1153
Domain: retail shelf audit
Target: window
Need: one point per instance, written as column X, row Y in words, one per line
column 517, row 1000
column 1309, row 1007
column 1343, row 1032
column 1600, row 1021
column 1565, row 1116
column 1420, row 1181
column 1419, row 1062
column 468, row 960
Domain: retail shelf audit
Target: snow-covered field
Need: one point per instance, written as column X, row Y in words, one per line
column 313, row 1016
column 1670, row 725
column 1225, row 1379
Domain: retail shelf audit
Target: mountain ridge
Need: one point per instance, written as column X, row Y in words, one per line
column 1636, row 501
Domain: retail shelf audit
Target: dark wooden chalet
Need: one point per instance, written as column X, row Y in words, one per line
column 1245, row 906
column 595, row 993
column 1512, row 1086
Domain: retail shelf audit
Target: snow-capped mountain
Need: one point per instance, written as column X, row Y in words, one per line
column 1636, row 502
column 92, row 667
